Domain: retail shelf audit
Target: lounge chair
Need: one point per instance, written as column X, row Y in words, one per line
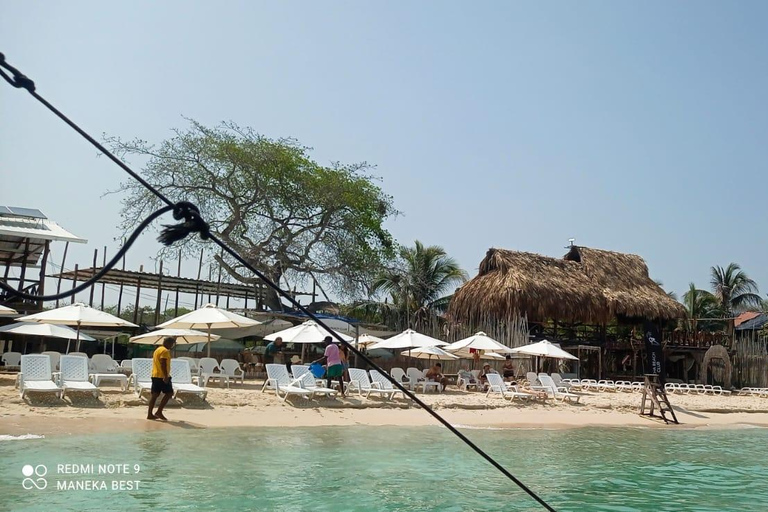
column 307, row 381
column 400, row 376
column 277, row 374
column 497, row 385
column 192, row 365
column 74, row 376
column 36, row 376
column 181, row 380
column 534, row 382
column 588, row 384
column 11, row 359
column 606, row 385
column 555, row 392
column 466, row 380
column 426, row 382
column 298, row 370
column 382, row 382
column 232, row 370
column 141, row 376
column 126, row 364
column 560, row 382
column 358, row 380
column 103, row 368
column 414, row 376
column 55, row 357
column 209, row 370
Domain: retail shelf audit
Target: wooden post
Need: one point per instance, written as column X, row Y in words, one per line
column 138, row 296
column 103, row 264
column 24, row 264
column 74, row 283
column 199, row 271
column 218, row 282
column 210, row 278
column 246, row 301
column 120, row 293
column 178, row 274
column 43, row 265
column 159, row 292
column 93, row 287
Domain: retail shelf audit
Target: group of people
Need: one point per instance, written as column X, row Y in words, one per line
column 335, row 358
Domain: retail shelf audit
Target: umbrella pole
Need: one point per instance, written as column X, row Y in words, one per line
column 77, row 349
column 209, row 340
column 303, row 350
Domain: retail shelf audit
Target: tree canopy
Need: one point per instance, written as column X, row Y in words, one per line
column 734, row 289
column 287, row 215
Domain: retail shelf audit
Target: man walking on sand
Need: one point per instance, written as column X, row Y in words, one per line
column 161, row 378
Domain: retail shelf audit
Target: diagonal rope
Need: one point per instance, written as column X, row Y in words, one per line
column 193, row 222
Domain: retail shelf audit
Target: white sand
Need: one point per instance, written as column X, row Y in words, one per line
column 246, row 406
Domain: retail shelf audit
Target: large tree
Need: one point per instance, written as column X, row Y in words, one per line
column 415, row 287
column 290, row 217
column 700, row 304
column 733, row 288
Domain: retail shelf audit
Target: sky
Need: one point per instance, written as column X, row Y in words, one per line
column 634, row 127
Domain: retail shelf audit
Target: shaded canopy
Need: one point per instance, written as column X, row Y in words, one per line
column 586, row 285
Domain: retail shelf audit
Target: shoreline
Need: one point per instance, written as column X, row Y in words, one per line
column 245, row 406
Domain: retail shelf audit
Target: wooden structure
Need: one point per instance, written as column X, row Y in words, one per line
column 656, row 397
column 589, row 297
column 25, row 238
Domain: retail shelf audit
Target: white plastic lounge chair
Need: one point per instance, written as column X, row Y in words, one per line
column 534, row 383
column 466, row 380
column 497, row 385
column 181, row 380
column 55, row 357
column 282, row 382
column 606, row 385
column 11, row 359
column 426, row 382
column 380, row 381
column 126, row 364
column 232, row 370
column 307, row 381
column 358, row 380
column 209, row 370
column 36, row 376
column 74, row 376
column 414, row 375
column 298, row 370
column 399, row 375
column 192, row 365
column 142, row 375
column 555, row 392
column 103, row 369
column 560, row 382
column 588, row 384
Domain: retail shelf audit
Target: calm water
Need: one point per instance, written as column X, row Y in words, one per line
column 397, row 469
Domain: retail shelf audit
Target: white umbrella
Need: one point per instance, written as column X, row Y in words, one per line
column 183, row 337
column 308, row 332
column 544, row 349
column 50, row 330
column 264, row 328
column 478, row 341
column 7, row 311
column 210, row 317
column 366, row 339
column 409, row 339
column 466, row 354
column 77, row 314
column 430, row 353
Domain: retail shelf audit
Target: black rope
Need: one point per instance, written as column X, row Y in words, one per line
column 194, row 223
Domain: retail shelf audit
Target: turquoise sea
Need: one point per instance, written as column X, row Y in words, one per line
column 389, row 469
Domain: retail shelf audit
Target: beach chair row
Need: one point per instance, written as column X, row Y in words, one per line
column 753, row 391
column 606, row 385
column 696, row 389
column 303, row 383
column 552, row 386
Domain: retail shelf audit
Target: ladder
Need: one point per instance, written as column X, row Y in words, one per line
column 654, row 393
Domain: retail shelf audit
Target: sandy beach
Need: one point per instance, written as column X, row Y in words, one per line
column 246, row 406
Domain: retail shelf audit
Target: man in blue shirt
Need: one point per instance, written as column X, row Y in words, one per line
column 273, row 348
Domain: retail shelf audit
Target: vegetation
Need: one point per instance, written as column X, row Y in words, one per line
column 734, row 290
column 414, row 289
column 288, row 216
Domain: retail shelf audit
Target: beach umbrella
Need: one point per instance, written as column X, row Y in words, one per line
column 365, row 340
column 478, row 341
column 221, row 345
column 183, row 337
column 408, row 339
column 308, row 332
column 209, row 317
column 263, row 329
column 544, row 349
column 430, row 353
column 466, row 354
column 77, row 314
column 48, row 330
column 7, row 311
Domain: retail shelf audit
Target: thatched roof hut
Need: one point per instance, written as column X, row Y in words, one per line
column 587, row 285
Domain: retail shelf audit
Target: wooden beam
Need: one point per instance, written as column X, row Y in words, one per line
column 138, row 296
column 103, row 264
column 63, row 261
column 93, row 286
column 159, row 292
column 43, row 265
column 74, row 283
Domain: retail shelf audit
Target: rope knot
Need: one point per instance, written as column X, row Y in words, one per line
column 193, row 223
column 18, row 80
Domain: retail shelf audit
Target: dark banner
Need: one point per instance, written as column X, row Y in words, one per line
column 654, row 356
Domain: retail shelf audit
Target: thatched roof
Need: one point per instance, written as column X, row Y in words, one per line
column 585, row 285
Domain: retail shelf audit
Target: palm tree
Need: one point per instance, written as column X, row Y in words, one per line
column 672, row 295
column 734, row 290
column 417, row 286
column 700, row 304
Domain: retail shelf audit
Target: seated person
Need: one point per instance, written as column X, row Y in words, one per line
column 486, row 370
column 467, row 377
column 436, row 374
column 508, row 370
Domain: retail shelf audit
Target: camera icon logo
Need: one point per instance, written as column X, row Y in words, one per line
column 34, row 477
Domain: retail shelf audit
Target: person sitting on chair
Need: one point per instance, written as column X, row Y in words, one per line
column 436, row 374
